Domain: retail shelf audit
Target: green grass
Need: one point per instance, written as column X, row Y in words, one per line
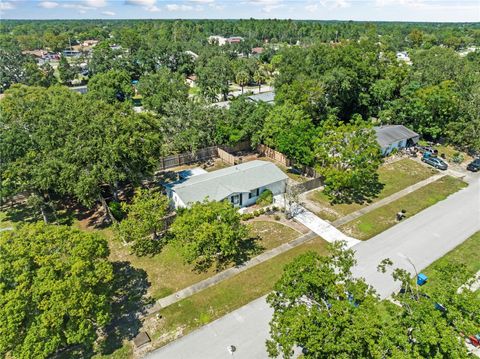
column 394, row 176
column 167, row 271
column 214, row 302
column 382, row 218
column 466, row 254
column 4, row 222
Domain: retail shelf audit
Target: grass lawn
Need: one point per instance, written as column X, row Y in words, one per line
column 168, row 273
column 382, row 218
column 4, row 222
column 466, row 254
column 214, row 302
column 394, row 176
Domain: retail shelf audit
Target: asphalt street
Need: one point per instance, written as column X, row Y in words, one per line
column 412, row 244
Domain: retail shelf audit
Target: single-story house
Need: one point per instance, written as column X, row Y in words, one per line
column 241, row 184
column 395, row 136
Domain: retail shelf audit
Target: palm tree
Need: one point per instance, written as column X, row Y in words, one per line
column 259, row 77
column 242, row 79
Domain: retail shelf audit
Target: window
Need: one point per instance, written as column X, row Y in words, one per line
column 235, row 199
column 254, row 193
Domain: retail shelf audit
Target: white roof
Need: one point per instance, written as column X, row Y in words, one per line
column 220, row 184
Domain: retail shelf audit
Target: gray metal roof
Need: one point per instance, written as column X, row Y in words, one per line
column 389, row 134
column 220, row 184
column 263, row 97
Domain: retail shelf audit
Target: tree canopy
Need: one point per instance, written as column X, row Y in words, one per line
column 319, row 307
column 210, row 233
column 54, row 291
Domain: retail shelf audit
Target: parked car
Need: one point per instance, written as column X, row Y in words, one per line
column 435, row 162
column 474, row 166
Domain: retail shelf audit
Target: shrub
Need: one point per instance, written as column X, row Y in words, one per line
column 116, row 209
column 261, row 211
column 256, row 213
column 274, row 208
column 457, row 157
column 247, row 216
column 265, row 198
column 277, row 217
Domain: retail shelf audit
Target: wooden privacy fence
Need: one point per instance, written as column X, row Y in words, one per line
column 200, row 155
column 308, row 185
column 274, row 155
column 226, row 157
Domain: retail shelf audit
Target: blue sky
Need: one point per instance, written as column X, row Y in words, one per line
column 371, row 10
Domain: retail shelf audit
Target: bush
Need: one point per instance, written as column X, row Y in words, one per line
column 274, row 208
column 256, row 213
column 247, row 216
column 261, row 211
column 277, row 217
column 457, row 157
column 265, row 198
column 116, row 210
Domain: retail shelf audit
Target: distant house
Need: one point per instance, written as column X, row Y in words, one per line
column 71, row 53
column 257, row 50
column 80, row 89
column 395, row 136
column 267, row 97
column 193, row 55
column 220, row 40
column 403, row 56
column 241, row 184
column 234, row 39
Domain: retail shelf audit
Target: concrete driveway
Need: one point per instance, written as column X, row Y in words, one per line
column 421, row 239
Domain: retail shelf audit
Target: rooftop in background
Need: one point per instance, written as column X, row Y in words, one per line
column 267, row 97
column 220, row 184
column 393, row 133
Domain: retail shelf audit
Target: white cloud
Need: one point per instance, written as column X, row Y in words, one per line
column 268, row 5
column 82, row 8
column 148, row 5
column 6, row 5
column 141, row 2
column 177, row 7
column 95, row 3
column 203, row 1
column 108, row 13
column 48, row 4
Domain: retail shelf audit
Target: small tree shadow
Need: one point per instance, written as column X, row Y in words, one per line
column 250, row 247
column 129, row 303
column 360, row 195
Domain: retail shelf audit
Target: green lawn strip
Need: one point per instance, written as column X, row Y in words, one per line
column 466, row 254
column 167, row 271
column 394, row 176
column 382, row 218
column 214, row 302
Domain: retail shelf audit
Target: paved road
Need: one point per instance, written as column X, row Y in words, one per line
column 422, row 238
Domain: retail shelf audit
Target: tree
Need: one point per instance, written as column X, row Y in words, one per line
column 259, row 78
column 112, row 86
column 321, row 308
column 214, row 77
column 242, row 79
column 289, row 130
column 348, row 156
column 66, row 71
column 161, row 87
column 35, row 123
column 55, row 289
column 12, row 64
column 210, row 232
column 435, row 316
column 145, row 224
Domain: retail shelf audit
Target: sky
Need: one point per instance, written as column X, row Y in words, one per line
column 359, row 10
